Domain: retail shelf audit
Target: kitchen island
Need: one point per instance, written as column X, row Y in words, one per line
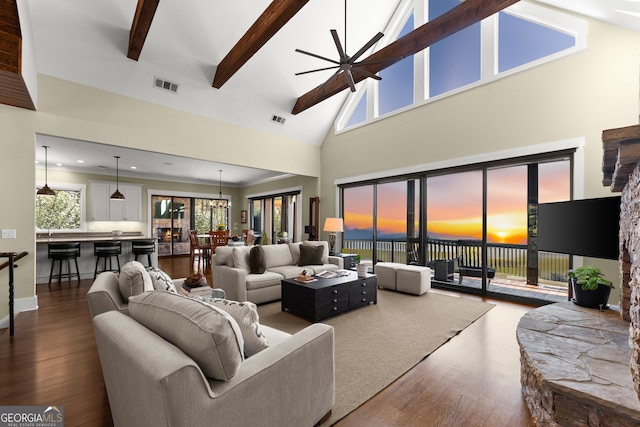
column 87, row 261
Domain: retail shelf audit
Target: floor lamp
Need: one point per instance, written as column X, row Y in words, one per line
column 333, row 226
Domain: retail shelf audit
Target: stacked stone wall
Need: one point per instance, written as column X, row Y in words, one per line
column 630, row 268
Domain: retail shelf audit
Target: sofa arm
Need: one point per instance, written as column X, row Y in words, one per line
column 336, row 260
column 104, row 295
column 233, row 281
column 291, row 383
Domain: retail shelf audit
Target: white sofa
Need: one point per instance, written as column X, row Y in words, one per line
column 232, row 272
column 105, row 293
column 176, row 361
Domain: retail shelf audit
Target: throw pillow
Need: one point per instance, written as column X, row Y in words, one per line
column 208, row 335
column 161, row 280
column 324, row 244
column 246, row 314
column 241, row 257
column 257, row 263
column 134, row 280
column 311, row 255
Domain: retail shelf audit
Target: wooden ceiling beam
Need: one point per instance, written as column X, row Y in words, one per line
column 467, row 13
column 13, row 88
column 145, row 10
column 275, row 16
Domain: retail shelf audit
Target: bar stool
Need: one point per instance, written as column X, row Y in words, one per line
column 106, row 251
column 60, row 252
column 143, row 247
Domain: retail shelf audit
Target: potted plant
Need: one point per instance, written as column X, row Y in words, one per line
column 590, row 288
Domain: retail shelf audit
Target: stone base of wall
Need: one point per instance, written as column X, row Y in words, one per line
column 575, row 367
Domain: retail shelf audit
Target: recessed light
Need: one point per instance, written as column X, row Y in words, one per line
column 133, row 167
column 58, row 164
column 80, row 161
column 37, row 162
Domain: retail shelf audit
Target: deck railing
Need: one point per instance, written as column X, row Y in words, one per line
column 508, row 260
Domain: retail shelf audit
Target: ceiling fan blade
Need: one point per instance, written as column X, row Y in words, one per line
column 366, row 47
column 336, row 40
column 319, row 69
column 365, row 73
column 349, row 77
column 316, row 56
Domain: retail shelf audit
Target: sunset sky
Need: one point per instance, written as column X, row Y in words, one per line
column 455, row 204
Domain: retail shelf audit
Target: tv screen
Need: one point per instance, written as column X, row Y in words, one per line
column 587, row 227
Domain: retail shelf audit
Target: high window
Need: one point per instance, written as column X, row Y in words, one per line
column 516, row 39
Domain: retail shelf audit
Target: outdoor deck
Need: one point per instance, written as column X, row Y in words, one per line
column 508, row 260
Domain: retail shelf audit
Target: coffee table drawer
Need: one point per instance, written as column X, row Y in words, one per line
column 331, row 300
column 363, row 292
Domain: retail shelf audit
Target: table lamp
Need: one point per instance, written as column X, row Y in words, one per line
column 333, row 226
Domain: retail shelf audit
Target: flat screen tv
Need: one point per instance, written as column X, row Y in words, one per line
column 587, row 227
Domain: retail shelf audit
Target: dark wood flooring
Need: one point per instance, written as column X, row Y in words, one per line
column 473, row 380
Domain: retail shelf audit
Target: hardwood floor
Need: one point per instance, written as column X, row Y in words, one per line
column 472, row 380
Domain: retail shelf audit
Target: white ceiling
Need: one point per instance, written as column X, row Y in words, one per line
column 85, row 41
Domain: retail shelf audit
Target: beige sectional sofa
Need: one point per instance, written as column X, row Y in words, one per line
column 176, row 361
column 232, row 270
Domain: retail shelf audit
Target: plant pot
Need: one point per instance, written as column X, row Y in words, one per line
column 591, row 299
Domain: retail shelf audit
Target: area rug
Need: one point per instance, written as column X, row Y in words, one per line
column 377, row 344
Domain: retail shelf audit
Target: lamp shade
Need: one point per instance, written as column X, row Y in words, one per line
column 333, row 225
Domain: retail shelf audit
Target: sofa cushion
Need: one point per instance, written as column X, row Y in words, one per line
column 276, row 255
column 209, row 335
column 295, row 252
column 246, row 314
column 161, row 280
column 287, row 271
column 134, row 280
column 224, row 256
column 257, row 263
column 259, row 281
column 311, row 255
column 325, row 245
column 241, row 257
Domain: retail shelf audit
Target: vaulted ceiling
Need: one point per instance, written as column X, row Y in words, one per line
column 236, row 61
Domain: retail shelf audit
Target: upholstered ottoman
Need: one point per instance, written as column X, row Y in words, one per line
column 413, row 279
column 386, row 272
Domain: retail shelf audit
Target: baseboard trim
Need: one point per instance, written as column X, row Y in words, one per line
column 20, row 305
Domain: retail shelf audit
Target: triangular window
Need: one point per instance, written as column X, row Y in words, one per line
column 521, row 41
column 359, row 114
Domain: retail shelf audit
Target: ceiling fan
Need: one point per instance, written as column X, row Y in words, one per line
column 346, row 64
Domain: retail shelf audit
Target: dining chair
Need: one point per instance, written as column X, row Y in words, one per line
column 200, row 250
column 218, row 238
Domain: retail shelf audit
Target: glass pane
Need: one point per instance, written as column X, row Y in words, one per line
column 454, row 214
column 360, row 113
column 440, row 7
column 396, row 87
column 203, row 215
column 60, row 212
column 277, row 218
column 455, row 61
column 358, row 221
column 554, row 185
column 181, row 209
column 521, row 41
column 391, row 222
column 507, row 228
column 161, row 223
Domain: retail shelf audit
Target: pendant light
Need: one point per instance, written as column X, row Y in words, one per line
column 220, row 203
column 117, row 195
column 45, row 191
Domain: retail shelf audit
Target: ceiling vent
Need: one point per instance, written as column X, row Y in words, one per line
column 278, row 119
column 165, row 85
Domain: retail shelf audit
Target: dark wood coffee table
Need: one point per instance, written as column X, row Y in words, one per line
column 324, row 298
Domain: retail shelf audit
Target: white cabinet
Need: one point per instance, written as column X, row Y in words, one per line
column 104, row 209
column 99, row 196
